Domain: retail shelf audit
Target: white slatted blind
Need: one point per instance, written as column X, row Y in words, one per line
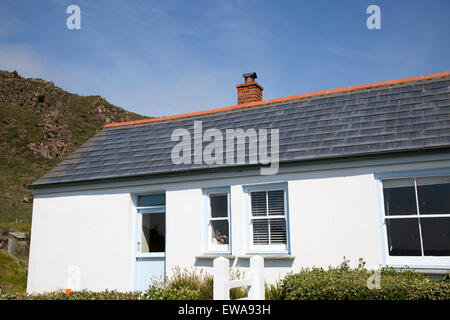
column 268, row 217
column 259, row 203
column 275, row 201
column 277, row 231
column 261, row 231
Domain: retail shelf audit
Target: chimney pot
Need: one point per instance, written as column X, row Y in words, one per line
column 250, row 90
column 250, row 77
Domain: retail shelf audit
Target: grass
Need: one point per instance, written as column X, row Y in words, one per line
column 13, row 273
column 18, row 165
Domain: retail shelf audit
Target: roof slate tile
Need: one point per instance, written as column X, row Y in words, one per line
column 382, row 119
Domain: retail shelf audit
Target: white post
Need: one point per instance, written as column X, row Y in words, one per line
column 256, row 290
column 255, row 281
column 221, row 279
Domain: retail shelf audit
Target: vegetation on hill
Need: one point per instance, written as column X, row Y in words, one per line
column 13, row 273
column 40, row 124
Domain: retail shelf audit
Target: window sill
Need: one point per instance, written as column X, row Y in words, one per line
column 151, row 255
column 212, row 256
column 422, row 268
column 428, row 262
column 432, row 271
column 269, row 256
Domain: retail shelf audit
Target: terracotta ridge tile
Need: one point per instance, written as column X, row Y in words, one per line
column 283, row 99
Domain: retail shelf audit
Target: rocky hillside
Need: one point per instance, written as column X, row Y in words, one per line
column 39, row 125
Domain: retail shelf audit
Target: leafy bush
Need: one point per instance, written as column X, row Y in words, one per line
column 343, row 283
column 189, row 285
column 75, row 295
column 274, row 291
column 182, row 285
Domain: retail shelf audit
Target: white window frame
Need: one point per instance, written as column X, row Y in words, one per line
column 270, row 249
column 414, row 262
column 209, row 247
column 141, row 210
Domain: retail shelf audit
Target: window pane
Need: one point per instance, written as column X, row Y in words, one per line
column 152, row 200
column 259, row 203
column 276, row 202
column 403, row 237
column 260, row 231
column 436, row 236
column 219, row 231
column 277, row 231
column 219, row 205
column 399, row 197
column 153, row 232
column 434, row 195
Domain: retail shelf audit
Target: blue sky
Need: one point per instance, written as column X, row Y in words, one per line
column 168, row 57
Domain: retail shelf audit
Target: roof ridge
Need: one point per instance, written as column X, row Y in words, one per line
column 283, row 99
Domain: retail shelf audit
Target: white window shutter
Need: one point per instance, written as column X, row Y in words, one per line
column 270, row 230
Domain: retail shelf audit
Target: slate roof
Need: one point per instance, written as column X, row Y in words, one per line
column 394, row 116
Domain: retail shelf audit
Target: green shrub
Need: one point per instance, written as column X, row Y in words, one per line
column 189, row 285
column 74, row 295
column 274, row 291
column 343, row 283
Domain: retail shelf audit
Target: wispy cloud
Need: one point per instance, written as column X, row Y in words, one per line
column 21, row 58
column 166, row 57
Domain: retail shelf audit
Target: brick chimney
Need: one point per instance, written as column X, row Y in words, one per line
column 250, row 90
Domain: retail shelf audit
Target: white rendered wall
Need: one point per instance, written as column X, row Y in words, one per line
column 91, row 232
column 332, row 218
column 184, row 216
column 333, row 213
column 329, row 218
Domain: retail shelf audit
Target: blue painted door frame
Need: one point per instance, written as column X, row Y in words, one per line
column 149, row 266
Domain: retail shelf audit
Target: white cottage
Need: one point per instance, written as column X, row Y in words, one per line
column 360, row 172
